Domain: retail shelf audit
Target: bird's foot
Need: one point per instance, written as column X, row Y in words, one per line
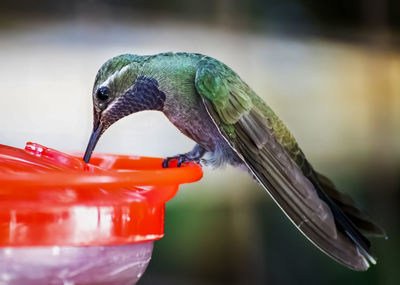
column 193, row 156
column 181, row 159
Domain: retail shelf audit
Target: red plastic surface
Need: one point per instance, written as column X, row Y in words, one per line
column 51, row 198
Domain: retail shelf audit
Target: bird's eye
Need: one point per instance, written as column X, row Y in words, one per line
column 103, row 93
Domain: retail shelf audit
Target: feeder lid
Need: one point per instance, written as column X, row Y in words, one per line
column 51, row 198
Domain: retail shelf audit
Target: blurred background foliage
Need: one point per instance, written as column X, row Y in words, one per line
column 330, row 69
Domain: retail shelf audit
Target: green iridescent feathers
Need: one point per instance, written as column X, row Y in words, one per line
column 110, row 71
column 233, row 100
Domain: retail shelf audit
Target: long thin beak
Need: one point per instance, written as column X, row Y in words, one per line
column 94, row 138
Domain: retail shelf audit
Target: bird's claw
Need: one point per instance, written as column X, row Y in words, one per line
column 165, row 162
column 194, row 155
column 182, row 158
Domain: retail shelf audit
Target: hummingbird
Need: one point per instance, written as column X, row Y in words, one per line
column 209, row 103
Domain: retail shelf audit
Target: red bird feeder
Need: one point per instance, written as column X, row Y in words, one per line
column 62, row 220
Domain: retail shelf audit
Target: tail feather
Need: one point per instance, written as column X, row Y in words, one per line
column 348, row 206
column 348, row 217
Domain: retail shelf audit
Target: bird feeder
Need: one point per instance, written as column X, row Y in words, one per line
column 66, row 222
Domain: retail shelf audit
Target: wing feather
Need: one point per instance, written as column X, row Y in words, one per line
column 272, row 155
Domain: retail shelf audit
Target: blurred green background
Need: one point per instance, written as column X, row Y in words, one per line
column 330, row 69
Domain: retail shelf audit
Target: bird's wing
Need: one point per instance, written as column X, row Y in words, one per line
column 271, row 153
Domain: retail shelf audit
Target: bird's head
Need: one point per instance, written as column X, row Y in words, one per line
column 121, row 89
